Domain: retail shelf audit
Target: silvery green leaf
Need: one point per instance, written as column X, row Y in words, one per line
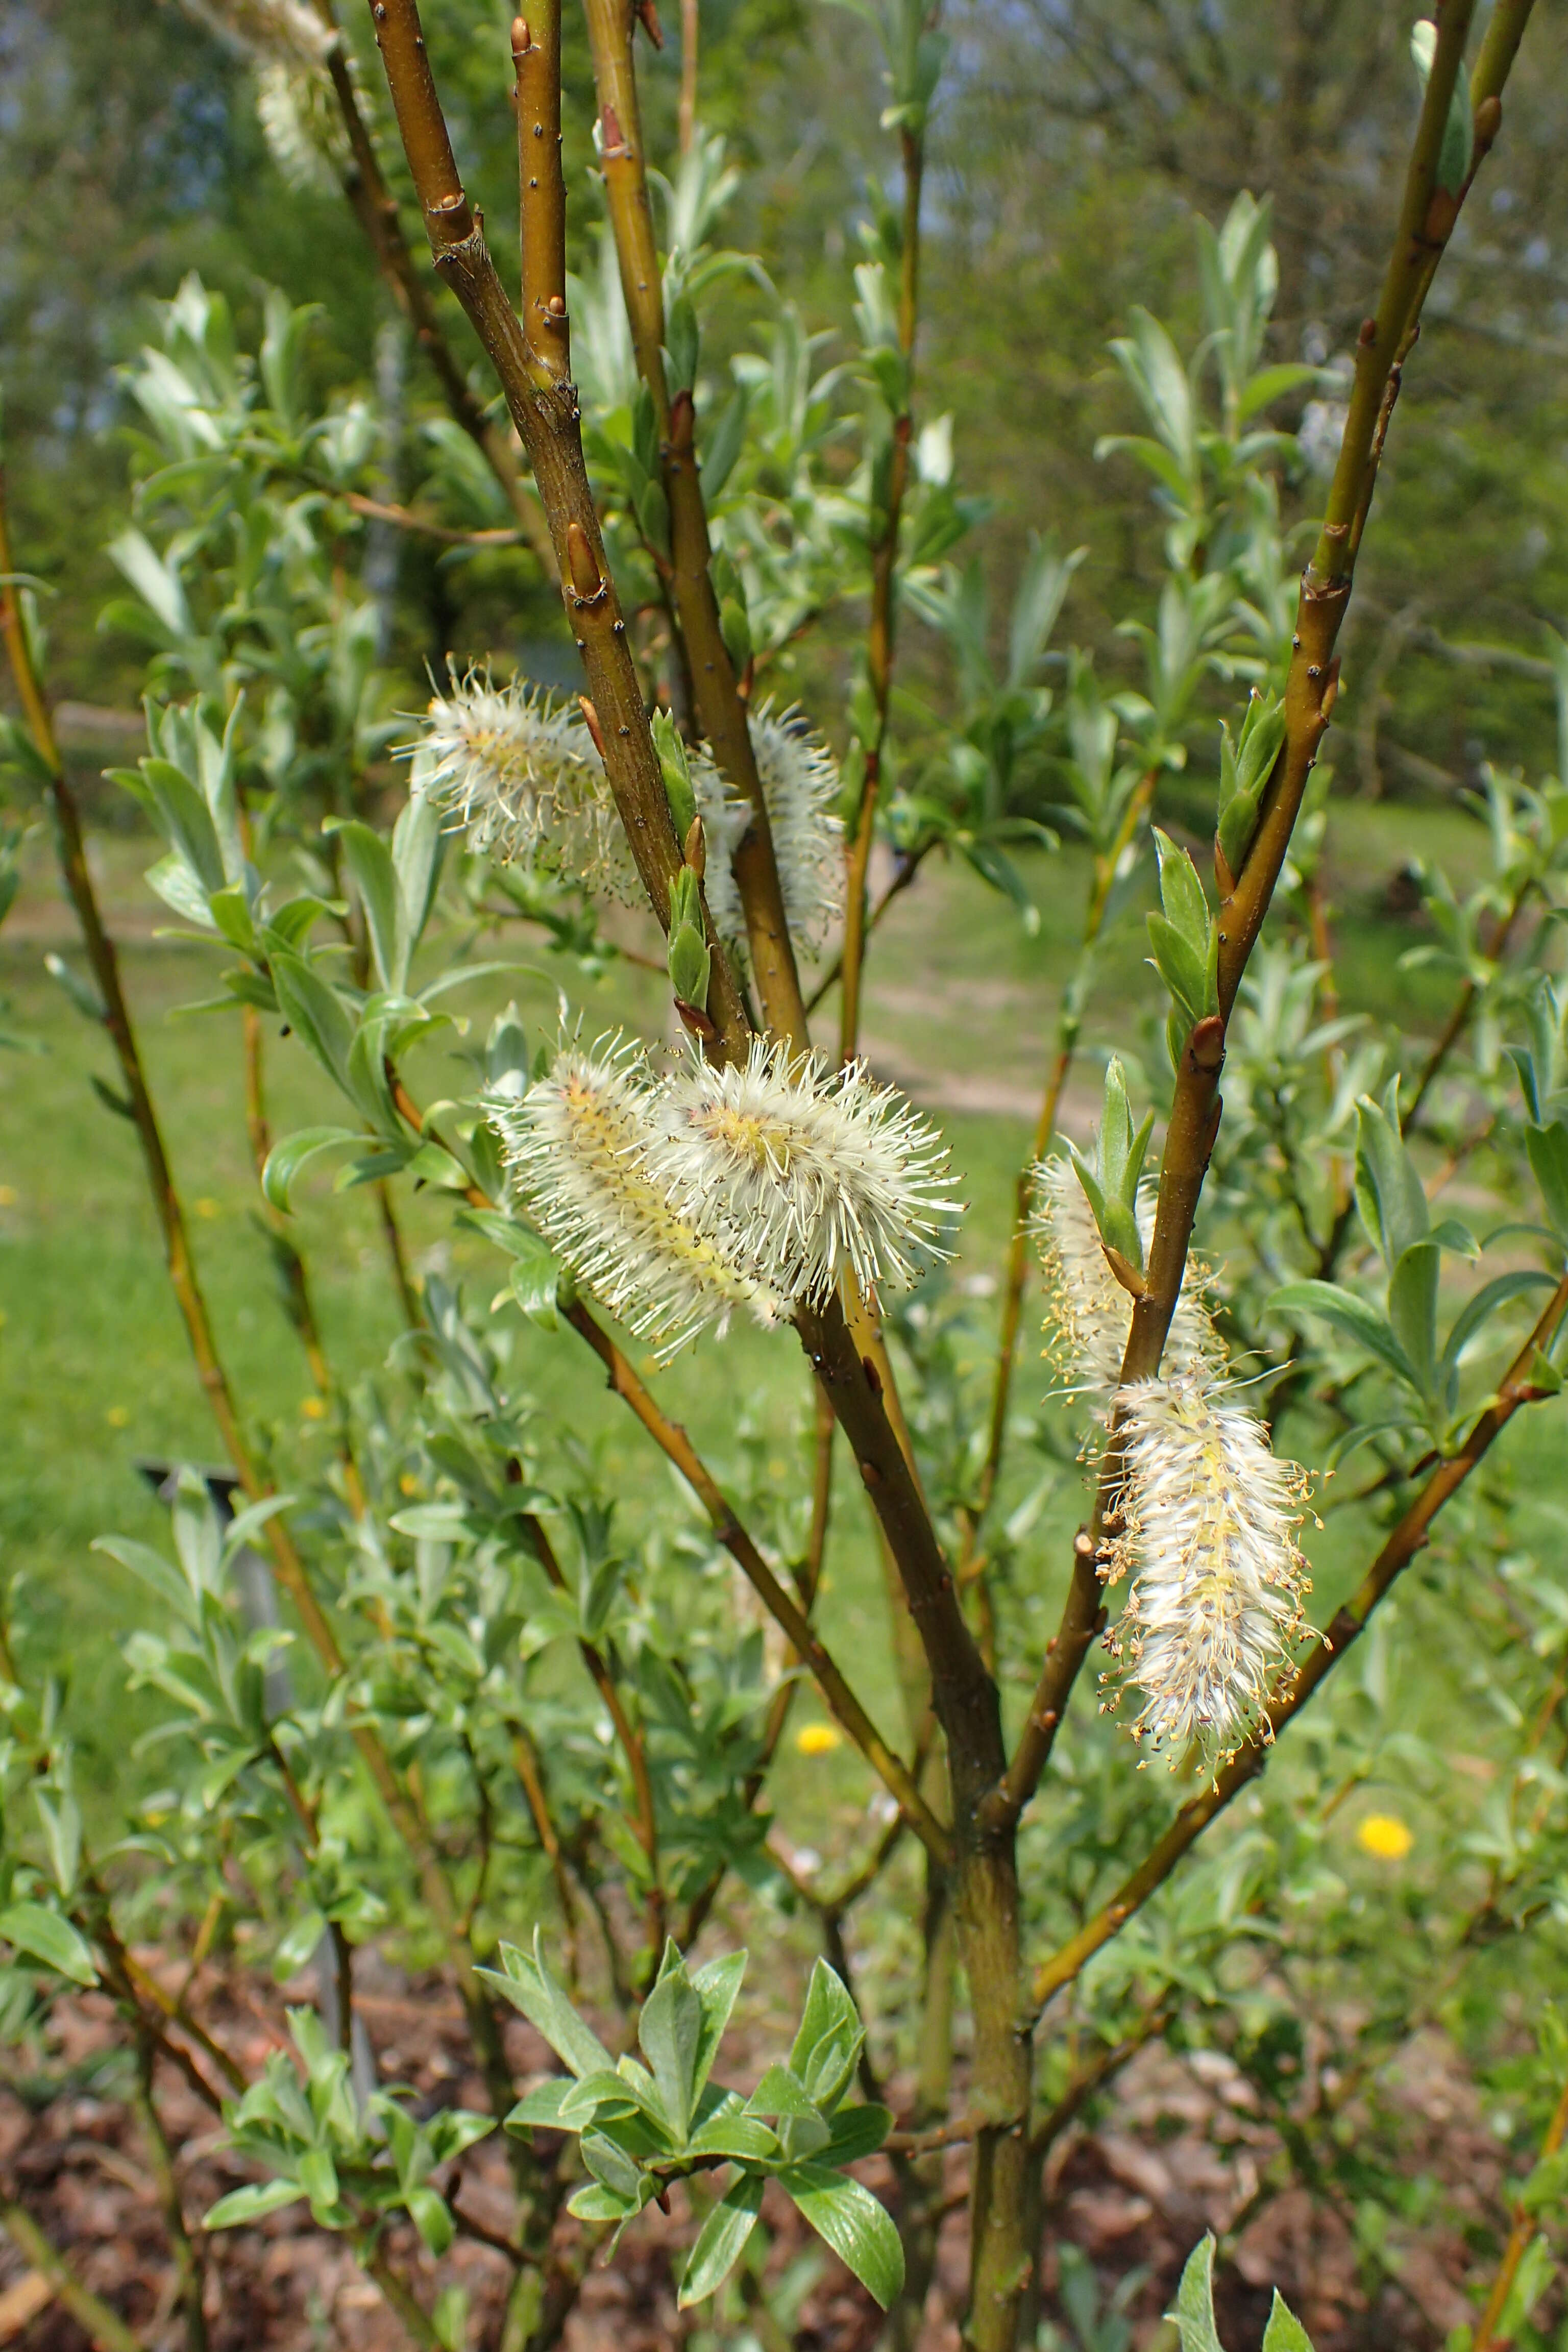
column 1193, row 2310
column 670, row 2032
column 44, row 1936
column 524, row 1980
column 1284, row 2332
column 858, row 2230
column 721, row 2240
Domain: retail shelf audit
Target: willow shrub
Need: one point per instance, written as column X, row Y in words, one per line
column 508, row 1723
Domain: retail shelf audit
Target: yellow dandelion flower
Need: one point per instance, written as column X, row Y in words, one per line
column 1384, row 1835
column 312, row 1409
column 118, row 1416
column 7, row 1196
column 818, row 1739
column 408, row 1483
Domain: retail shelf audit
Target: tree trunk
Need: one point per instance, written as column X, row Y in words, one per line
column 1001, row 2257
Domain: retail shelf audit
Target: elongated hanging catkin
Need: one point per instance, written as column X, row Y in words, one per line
column 1205, row 1517
column 1207, row 1526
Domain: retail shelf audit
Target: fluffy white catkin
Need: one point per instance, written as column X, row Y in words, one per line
column 823, row 1171
column 1088, row 1313
column 1208, row 1522
column 578, row 1147
column 516, row 773
column 300, row 124
column 1206, row 1517
column 799, row 777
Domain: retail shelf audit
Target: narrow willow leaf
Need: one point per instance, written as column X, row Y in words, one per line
column 287, row 1160
column 716, row 1984
column 856, row 2132
column 246, row 2205
column 721, row 2240
column 1284, row 2332
column 524, row 1980
column 670, row 2033
column 852, row 2223
column 1193, row 2310
column 540, row 2108
column 1349, row 1314
column 44, row 1936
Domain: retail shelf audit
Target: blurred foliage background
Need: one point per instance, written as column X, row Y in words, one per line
column 1072, row 143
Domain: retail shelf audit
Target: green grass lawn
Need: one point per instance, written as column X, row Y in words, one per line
column 94, row 1370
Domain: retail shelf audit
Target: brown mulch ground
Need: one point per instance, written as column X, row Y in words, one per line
column 1181, row 2149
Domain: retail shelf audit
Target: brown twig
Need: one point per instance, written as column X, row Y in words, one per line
column 402, row 2300
column 445, row 534
column 926, row 2143
column 1453, row 1029
column 541, row 185
column 299, row 1305
column 1105, row 2063
column 719, row 709
column 1524, row 2228
column 903, row 875
column 290, row 1568
column 105, row 966
column 544, row 409
column 1464, row 1004
column 530, row 1777
column 188, row 2268
column 882, row 633
column 846, row 1709
column 545, row 413
column 375, row 209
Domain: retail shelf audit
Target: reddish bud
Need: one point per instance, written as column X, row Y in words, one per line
column 1206, row 1044
column 581, row 564
column 697, row 1021
column 591, row 719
